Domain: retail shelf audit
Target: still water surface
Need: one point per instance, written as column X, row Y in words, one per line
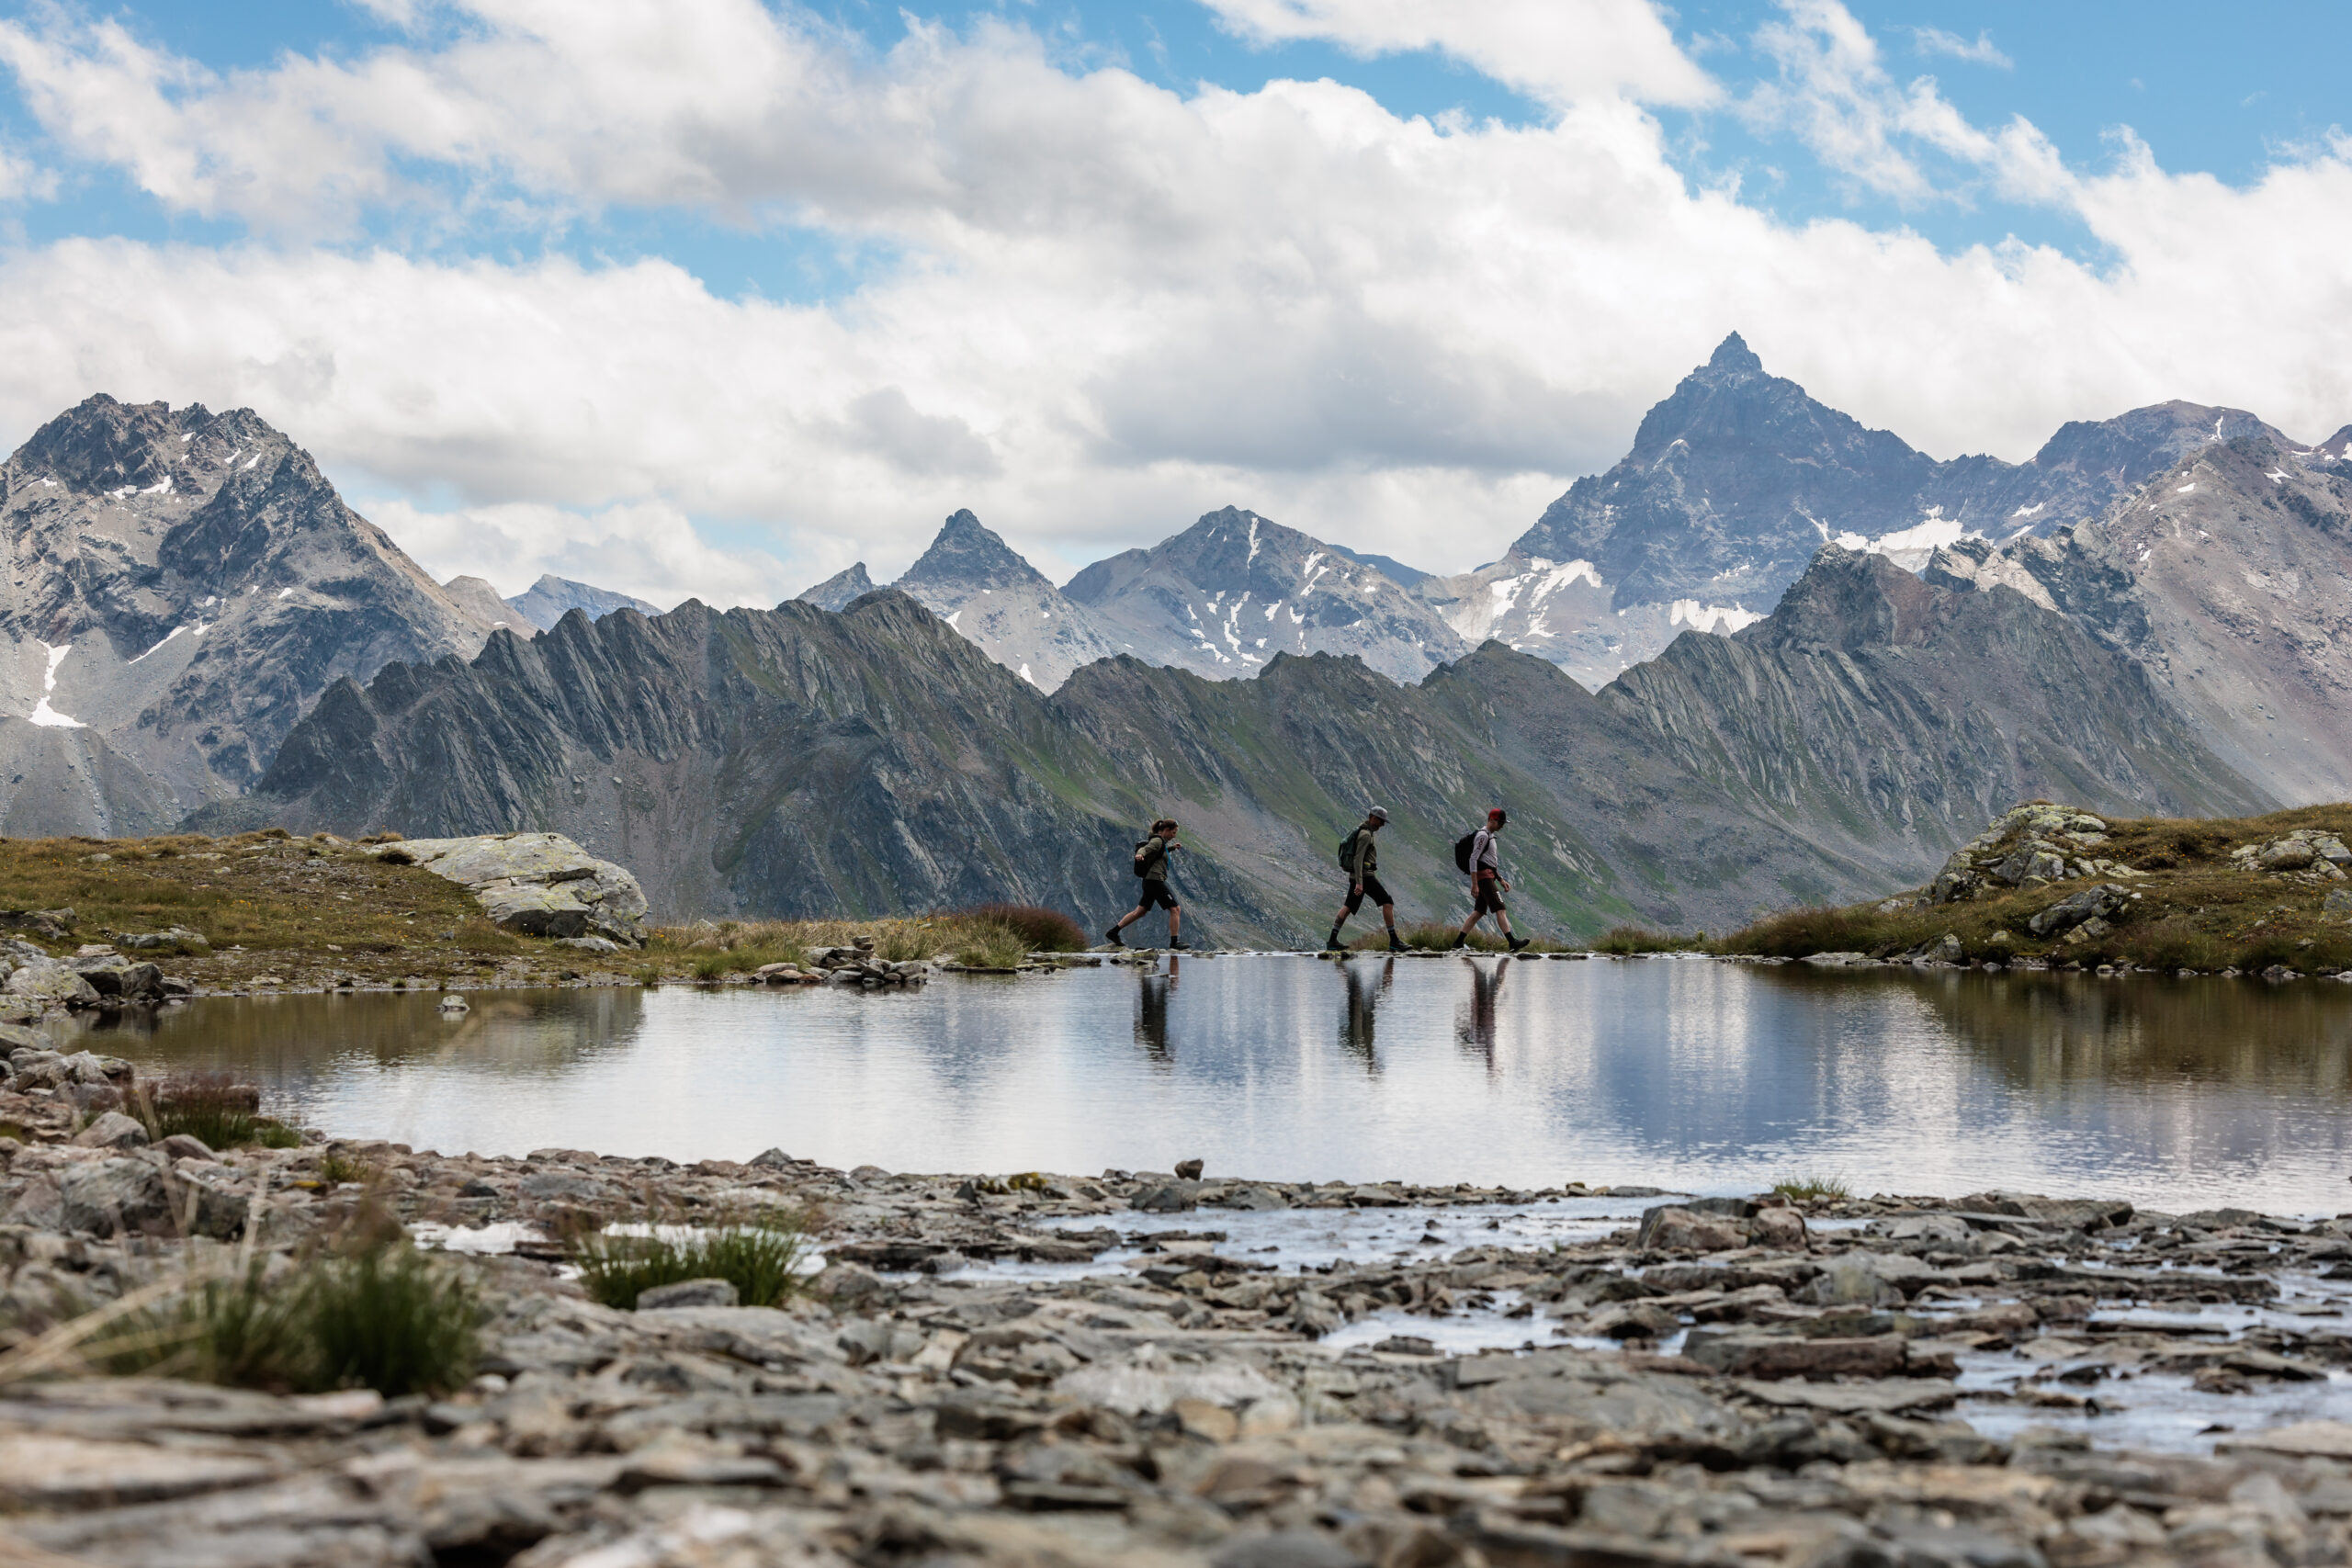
column 1680, row 1073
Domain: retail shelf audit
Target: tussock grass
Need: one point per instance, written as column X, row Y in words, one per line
column 386, row 1318
column 1046, row 930
column 1803, row 1188
column 759, row 1255
column 213, row 1109
column 1623, row 940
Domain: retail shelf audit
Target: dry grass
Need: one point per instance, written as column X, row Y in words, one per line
column 994, row 936
column 2196, row 911
column 289, row 903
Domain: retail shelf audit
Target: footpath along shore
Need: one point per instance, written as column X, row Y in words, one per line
column 1158, row 1368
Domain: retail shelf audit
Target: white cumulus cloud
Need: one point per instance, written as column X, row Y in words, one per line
column 1107, row 307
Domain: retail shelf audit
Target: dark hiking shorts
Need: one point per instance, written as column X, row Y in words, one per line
column 1156, row 895
column 1371, row 889
column 1490, row 897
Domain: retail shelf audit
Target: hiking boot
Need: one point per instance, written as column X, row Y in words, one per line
column 1331, row 942
column 1396, row 944
column 1461, row 939
column 1175, row 946
column 1112, row 936
column 1518, row 941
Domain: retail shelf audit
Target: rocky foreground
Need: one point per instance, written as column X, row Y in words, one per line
column 1040, row 1369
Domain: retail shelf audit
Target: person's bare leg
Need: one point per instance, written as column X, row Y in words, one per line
column 1175, row 924
column 1130, row 917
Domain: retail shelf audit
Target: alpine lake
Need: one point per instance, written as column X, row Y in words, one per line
column 1680, row 1073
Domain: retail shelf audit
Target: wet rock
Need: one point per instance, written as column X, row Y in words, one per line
column 688, row 1293
column 1749, row 1355
column 1189, row 1169
column 1674, row 1228
column 186, row 1145
column 1169, row 1198
column 1632, row 1320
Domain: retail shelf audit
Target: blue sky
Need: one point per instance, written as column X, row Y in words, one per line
column 802, row 319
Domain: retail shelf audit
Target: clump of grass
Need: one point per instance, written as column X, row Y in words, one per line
column 336, row 1168
column 759, row 1255
column 386, row 1318
column 220, row 1114
column 993, row 947
column 1046, row 930
column 1805, row 1188
column 1624, row 940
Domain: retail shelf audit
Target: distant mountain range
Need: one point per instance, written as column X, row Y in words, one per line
column 1772, row 656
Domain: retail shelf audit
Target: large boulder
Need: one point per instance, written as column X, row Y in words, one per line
column 535, row 884
column 48, row 981
column 2102, row 902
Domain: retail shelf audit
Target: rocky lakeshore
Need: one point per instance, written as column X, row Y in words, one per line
column 1169, row 1367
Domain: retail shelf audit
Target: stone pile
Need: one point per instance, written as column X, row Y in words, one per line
column 2308, row 855
column 2053, row 844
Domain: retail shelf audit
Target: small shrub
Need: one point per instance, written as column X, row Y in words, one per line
column 713, row 966
column 336, row 1168
column 1803, row 1188
column 1046, row 930
column 759, row 1255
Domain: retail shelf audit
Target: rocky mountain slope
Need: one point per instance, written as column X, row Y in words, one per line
column 2230, row 580
column 798, row 761
column 549, row 599
column 181, row 586
column 839, row 591
column 1227, row 594
column 1739, row 477
column 1881, row 717
column 981, row 586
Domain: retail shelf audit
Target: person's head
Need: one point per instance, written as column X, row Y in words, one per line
column 1495, row 818
column 1377, row 819
column 1165, row 827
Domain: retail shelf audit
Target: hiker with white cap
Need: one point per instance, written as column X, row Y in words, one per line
column 1360, row 858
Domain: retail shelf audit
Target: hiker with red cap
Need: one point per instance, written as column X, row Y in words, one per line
column 1475, row 854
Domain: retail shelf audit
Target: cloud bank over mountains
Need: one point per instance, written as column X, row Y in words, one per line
column 1081, row 304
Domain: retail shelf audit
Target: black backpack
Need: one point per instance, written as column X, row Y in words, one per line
column 1462, row 847
column 1347, row 847
column 1145, row 861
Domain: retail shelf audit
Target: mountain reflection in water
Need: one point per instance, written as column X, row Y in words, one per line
column 1675, row 1071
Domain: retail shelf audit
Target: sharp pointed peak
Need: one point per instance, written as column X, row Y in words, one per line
column 1733, row 354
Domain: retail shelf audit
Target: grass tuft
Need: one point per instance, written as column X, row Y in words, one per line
column 1622, row 940
column 760, row 1256
column 386, row 1318
column 213, row 1110
column 1802, row 1189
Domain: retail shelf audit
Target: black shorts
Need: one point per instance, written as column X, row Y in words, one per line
column 1371, row 889
column 1490, row 897
column 1155, row 893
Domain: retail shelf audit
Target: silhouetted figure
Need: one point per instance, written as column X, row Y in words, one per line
column 1364, row 993
column 1152, row 1013
column 1475, row 1026
column 1360, row 858
column 1488, row 884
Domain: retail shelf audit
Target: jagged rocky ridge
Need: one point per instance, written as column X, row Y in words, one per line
column 182, row 586
column 796, row 761
column 1739, row 477
column 979, row 585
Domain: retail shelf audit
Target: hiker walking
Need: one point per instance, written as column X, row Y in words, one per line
column 1475, row 854
column 1151, row 868
column 1360, row 857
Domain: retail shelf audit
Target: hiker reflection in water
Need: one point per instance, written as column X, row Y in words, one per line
column 1475, row 1025
column 1152, row 1013
column 1365, row 994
